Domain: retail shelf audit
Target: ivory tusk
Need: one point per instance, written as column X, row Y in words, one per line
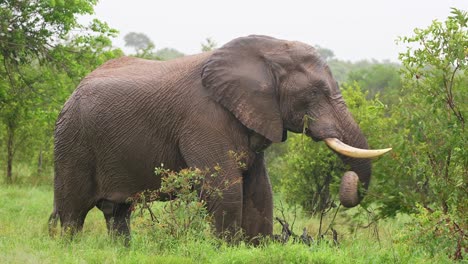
column 353, row 152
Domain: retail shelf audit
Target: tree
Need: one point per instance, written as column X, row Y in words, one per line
column 431, row 150
column 341, row 69
column 326, row 54
column 208, row 45
column 168, row 54
column 32, row 54
column 435, row 80
column 378, row 78
column 30, row 28
column 140, row 42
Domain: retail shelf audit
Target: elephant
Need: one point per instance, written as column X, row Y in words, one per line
column 130, row 115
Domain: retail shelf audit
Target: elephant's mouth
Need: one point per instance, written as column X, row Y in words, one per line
column 318, row 136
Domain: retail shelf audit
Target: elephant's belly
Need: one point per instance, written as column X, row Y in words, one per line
column 122, row 177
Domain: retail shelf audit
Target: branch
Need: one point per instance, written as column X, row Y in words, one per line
column 450, row 101
column 333, row 220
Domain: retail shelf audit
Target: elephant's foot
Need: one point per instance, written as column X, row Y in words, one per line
column 117, row 219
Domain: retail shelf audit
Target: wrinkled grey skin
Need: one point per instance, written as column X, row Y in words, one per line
column 130, row 115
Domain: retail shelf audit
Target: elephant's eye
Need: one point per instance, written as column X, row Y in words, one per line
column 314, row 91
column 318, row 86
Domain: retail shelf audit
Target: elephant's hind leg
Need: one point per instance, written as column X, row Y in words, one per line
column 74, row 185
column 117, row 217
column 73, row 220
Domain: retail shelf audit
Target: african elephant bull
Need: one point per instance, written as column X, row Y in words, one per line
column 130, row 115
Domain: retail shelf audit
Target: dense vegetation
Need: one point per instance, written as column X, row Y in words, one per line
column 415, row 209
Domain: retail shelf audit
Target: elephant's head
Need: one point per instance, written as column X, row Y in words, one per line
column 273, row 85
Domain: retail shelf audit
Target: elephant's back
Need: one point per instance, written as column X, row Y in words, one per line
column 129, row 78
column 137, row 69
column 126, row 67
column 121, row 89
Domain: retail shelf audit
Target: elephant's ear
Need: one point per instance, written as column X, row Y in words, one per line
column 239, row 77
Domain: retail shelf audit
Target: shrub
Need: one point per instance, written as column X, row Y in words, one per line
column 185, row 213
column 436, row 232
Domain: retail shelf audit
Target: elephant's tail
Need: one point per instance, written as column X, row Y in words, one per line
column 53, row 220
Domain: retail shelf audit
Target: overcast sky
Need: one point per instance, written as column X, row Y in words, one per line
column 353, row 29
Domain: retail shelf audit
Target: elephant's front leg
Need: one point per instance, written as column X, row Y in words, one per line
column 227, row 207
column 223, row 193
column 257, row 215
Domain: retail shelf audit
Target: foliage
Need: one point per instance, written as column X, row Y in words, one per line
column 29, row 28
column 326, row 54
column 208, row 45
column 379, row 78
column 429, row 161
column 437, row 232
column 185, row 215
column 373, row 76
column 341, row 69
column 42, row 60
column 306, row 180
column 432, row 142
column 145, row 48
column 140, row 42
column 168, row 54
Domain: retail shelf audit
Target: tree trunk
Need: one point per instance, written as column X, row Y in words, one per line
column 10, row 153
column 39, row 163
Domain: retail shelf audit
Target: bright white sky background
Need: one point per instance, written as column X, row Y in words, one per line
column 353, row 29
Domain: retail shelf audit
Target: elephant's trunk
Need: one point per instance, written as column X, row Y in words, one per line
column 349, row 189
column 360, row 173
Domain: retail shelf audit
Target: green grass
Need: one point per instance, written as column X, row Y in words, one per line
column 24, row 239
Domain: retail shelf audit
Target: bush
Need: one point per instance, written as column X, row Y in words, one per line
column 433, row 114
column 437, row 232
column 308, row 171
column 185, row 214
